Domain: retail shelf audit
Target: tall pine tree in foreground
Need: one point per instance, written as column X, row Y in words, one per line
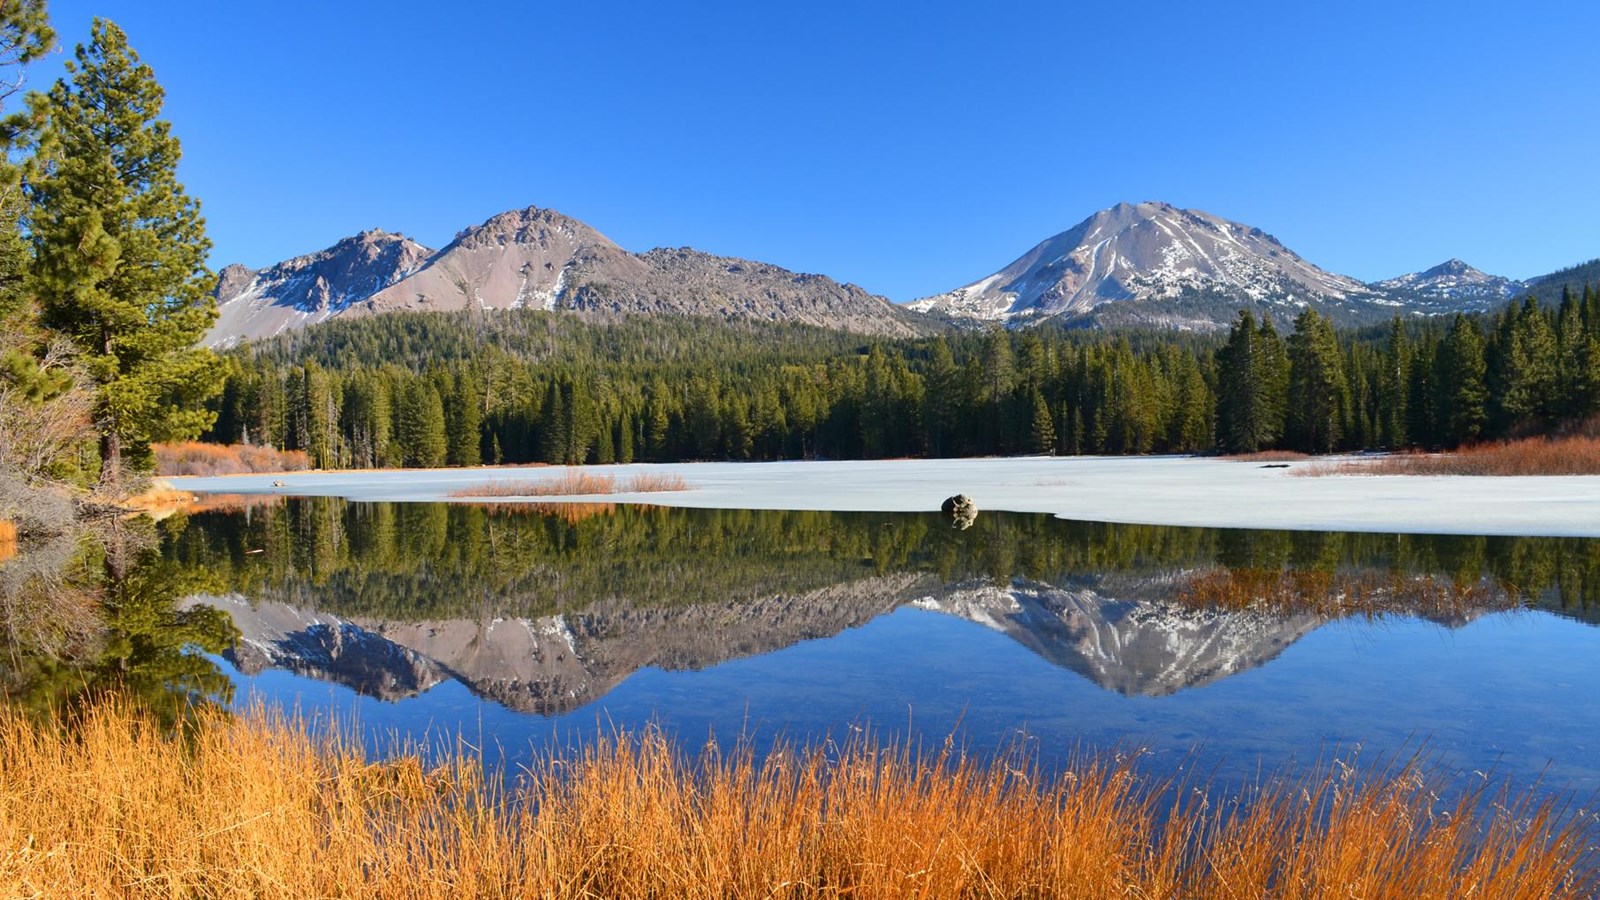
column 120, row 252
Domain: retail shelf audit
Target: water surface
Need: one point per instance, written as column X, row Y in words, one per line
column 1235, row 650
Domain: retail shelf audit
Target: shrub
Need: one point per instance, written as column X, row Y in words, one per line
column 198, row 458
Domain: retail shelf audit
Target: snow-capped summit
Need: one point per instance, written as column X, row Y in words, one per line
column 1143, row 252
column 1452, row 280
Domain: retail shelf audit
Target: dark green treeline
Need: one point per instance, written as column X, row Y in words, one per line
column 526, row 386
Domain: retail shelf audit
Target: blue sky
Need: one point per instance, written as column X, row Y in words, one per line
column 907, row 147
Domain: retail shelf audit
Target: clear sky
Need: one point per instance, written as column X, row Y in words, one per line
column 907, row 147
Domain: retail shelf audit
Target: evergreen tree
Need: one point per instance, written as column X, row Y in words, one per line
column 1527, row 361
column 120, row 251
column 1394, row 389
column 1462, row 408
column 1316, row 386
column 1242, row 411
column 25, row 36
column 464, row 422
column 554, row 425
column 939, row 399
column 1272, row 373
column 1044, row 427
column 421, row 430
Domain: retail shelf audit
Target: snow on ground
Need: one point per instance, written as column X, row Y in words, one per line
column 1150, row 490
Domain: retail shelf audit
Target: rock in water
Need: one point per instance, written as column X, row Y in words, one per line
column 961, row 510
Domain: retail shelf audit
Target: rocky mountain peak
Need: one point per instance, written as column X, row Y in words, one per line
column 531, row 225
column 1453, row 281
column 538, row 258
column 1452, row 266
column 1142, row 252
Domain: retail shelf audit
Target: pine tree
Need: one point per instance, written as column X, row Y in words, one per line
column 1526, row 367
column 1462, row 409
column 464, row 421
column 1317, row 390
column 25, row 36
column 120, row 251
column 1044, row 427
column 421, row 430
column 1394, row 389
column 939, row 399
column 1272, row 374
column 1241, row 425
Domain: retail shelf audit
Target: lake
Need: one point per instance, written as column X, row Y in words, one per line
column 1235, row 651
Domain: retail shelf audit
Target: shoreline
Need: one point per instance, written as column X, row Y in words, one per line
column 1146, row 490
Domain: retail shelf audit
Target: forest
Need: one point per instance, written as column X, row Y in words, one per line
column 432, row 389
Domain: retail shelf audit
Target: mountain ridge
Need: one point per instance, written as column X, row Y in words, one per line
column 1149, row 264
column 533, row 258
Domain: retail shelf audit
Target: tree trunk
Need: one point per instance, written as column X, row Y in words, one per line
column 110, row 460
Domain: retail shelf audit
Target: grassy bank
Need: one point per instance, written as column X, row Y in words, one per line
column 253, row 807
column 1576, row 455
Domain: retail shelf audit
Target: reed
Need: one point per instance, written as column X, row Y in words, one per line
column 576, row 483
column 1571, row 455
column 253, row 806
column 1267, row 456
column 200, row 458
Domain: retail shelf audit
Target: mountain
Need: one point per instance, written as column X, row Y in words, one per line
column 1125, row 634
column 548, row 664
column 1149, row 263
column 308, row 289
column 534, row 258
column 1120, row 633
column 1453, row 283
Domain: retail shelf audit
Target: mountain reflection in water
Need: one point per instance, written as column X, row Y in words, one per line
column 546, row 610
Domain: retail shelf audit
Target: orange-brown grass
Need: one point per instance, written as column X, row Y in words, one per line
column 1338, row 594
column 252, row 806
column 651, row 483
column 199, row 458
column 8, row 539
column 576, row 483
column 1267, row 456
column 1575, row 455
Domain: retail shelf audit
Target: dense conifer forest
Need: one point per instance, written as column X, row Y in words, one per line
column 528, row 386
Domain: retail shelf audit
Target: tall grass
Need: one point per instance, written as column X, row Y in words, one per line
column 576, row 483
column 1571, row 455
column 1267, row 456
column 252, row 806
column 199, row 458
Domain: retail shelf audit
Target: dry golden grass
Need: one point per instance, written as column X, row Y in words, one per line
column 1267, row 456
column 576, row 483
column 252, row 807
column 1574, row 455
column 1338, row 594
column 198, row 458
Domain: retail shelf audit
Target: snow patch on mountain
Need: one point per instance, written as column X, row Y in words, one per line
column 1141, row 252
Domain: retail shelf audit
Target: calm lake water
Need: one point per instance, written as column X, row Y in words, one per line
column 1233, row 650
